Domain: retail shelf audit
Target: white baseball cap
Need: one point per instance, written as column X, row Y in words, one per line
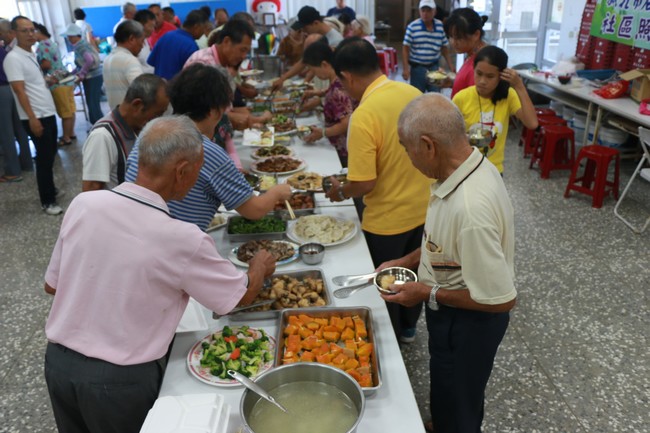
column 72, row 30
column 427, row 4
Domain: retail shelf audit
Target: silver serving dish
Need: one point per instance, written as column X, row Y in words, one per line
column 245, row 237
column 480, row 140
column 284, row 213
column 300, row 274
column 363, row 312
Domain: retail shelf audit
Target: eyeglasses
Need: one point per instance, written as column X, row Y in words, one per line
column 30, row 31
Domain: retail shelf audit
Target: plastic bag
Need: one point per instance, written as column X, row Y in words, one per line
column 644, row 107
column 613, row 90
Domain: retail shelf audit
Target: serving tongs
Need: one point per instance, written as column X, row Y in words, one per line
column 353, row 280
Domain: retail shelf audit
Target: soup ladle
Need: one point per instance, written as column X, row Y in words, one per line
column 255, row 388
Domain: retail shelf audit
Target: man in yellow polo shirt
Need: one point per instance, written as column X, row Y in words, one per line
column 394, row 192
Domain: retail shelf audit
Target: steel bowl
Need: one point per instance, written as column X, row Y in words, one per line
column 312, row 253
column 303, row 372
column 402, row 275
column 327, row 183
column 480, row 141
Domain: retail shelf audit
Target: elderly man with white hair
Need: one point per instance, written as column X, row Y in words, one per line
column 122, row 66
column 122, row 272
column 128, row 12
column 465, row 263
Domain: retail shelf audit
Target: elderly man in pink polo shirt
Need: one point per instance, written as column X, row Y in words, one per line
column 122, row 272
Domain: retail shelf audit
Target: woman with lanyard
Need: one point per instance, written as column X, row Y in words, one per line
column 464, row 29
column 498, row 94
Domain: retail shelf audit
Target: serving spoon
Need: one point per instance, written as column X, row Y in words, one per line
column 255, row 388
column 346, row 292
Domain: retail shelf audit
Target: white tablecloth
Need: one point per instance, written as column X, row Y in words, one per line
column 393, row 408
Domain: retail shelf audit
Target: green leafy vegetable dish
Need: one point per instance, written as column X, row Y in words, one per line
column 246, row 350
column 267, row 224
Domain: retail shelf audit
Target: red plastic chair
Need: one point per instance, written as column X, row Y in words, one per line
column 594, row 180
column 545, row 112
column 384, row 61
column 556, row 151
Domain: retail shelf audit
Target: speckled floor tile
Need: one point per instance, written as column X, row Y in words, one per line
column 606, row 386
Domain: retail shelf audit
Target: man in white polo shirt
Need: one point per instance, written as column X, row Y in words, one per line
column 36, row 108
column 122, row 66
column 465, row 262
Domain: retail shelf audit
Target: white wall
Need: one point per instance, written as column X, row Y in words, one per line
column 571, row 20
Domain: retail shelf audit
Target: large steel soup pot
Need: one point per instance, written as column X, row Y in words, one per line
column 303, row 372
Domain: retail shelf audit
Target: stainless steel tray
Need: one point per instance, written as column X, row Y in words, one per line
column 299, row 274
column 363, row 312
column 245, row 237
column 284, row 213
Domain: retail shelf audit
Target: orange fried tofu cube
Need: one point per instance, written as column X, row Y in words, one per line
column 305, row 332
column 340, row 359
column 335, row 348
column 365, row 350
column 354, row 373
column 347, row 334
column 349, row 323
column 313, row 325
column 331, row 336
column 305, row 319
column 366, row 380
column 290, row 329
column 351, row 364
column 294, row 320
column 307, row 356
column 325, row 358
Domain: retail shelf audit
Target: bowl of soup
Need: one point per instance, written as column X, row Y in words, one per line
column 319, row 399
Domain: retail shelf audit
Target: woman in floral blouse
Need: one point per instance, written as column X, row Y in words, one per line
column 337, row 104
column 49, row 57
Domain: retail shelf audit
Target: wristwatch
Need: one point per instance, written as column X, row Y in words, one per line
column 433, row 304
column 341, row 194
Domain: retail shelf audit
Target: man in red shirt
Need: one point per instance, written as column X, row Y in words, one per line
column 161, row 27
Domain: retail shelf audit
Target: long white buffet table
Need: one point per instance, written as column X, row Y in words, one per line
column 581, row 96
column 393, row 407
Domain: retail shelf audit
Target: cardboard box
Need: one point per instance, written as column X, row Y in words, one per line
column 640, row 88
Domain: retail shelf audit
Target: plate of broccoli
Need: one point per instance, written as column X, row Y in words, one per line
column 246, row 350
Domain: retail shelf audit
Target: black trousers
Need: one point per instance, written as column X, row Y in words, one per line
column 93, row 396
column 462, row 347
column 46, row 148
column 383, row 248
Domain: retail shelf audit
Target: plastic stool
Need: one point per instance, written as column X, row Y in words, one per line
column 594, row 180
column 393, row 57
column 384, row 61
column 533, row 139
column 545, row 112
column 556, row 149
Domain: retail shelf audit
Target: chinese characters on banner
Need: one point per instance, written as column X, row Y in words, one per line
column 623, row 21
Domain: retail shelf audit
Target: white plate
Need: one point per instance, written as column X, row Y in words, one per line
column 251, row 72
column 203, row 373
column 253, row 137
column 193, row 318
column 254, row 153
column 218, row 226
column 254, row 169
column 67, row 79
column 191, row 412
column 291, row 234
column 232, row 256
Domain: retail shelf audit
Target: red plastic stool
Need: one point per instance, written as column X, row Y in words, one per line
column 594, row 180
column 384, row 61
column 556, row 150
column 545, row 112
column 533, row 139
column 392, row 52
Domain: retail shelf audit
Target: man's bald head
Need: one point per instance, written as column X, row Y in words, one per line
column 434, row 116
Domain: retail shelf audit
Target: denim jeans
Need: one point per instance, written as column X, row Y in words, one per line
column 11, row 130
column 46, row 148
column 93, row 91
column 419, row 77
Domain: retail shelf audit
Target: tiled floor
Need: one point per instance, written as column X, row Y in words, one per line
column 576, row 357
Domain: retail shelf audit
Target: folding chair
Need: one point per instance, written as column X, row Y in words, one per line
column 644, row 138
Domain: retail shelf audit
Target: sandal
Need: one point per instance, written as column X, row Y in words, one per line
column 62, row 142
column 10, row 179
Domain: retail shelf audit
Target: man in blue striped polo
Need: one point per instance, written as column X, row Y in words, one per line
column 423, row 44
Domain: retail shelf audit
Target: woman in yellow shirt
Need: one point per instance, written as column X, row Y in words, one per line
column 498, row 93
